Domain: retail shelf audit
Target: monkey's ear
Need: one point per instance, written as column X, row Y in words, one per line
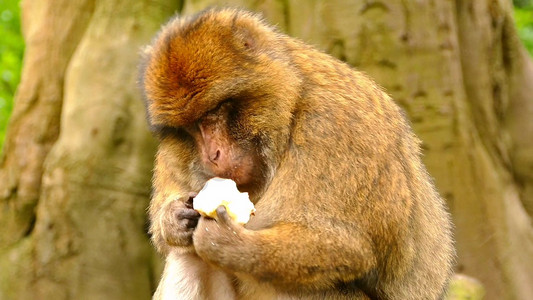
column 247, row 38
column 249, row 30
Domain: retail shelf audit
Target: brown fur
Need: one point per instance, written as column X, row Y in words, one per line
column 345, row 208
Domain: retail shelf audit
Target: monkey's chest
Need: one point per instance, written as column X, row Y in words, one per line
column 248, row 288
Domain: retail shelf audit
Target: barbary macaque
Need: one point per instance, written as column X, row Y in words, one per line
column 344, row 207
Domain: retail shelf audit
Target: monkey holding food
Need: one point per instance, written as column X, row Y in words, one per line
column 344, row 206
column 220, row 191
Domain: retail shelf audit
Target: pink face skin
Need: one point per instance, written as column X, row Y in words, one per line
column 221, row 156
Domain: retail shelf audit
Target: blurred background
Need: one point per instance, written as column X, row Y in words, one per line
column 76, row 156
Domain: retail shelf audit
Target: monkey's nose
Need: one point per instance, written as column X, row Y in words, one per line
column 214, row 157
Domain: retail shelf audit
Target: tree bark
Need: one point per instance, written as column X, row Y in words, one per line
column 77, row 163
column 52, row 32
column 497, row 79
column 74, row 178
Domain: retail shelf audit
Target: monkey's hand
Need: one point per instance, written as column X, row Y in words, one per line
column 288, row 255
column 178, row 221
column 213, row 237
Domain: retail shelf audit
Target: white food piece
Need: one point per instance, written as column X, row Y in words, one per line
column 220, row 191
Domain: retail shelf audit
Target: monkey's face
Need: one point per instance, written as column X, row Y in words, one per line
column 225, row 80
column 223, row 153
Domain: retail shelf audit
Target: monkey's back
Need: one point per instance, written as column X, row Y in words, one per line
column 382, row 178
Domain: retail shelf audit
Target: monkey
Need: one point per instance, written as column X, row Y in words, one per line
column 345, row 208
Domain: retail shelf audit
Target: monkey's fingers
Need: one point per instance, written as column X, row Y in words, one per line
column 222, row 215
column 187, row 213
column 189, row 217
column 189, row 201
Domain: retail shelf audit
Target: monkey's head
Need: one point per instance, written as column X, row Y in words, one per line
column 224, row 81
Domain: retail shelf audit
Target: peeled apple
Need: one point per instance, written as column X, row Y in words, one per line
column 220, row 191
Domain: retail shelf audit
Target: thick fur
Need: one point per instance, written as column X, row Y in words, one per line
column 346, row 209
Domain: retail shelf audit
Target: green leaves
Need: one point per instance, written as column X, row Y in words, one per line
column 11, row 51
column 524, row 24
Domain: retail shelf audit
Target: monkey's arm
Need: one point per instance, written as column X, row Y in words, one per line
column 172, row 218
column 290, row 256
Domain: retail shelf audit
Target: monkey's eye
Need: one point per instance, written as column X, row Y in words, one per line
column 233, row 116
column 223, row 107
column 174, row 132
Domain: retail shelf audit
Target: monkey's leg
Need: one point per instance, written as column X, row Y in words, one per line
column 186, row 276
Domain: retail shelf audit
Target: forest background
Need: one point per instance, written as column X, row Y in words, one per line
column 490, row 238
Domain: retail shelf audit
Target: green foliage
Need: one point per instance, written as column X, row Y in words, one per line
column 523, row 3
column 524, row 24
column 11, row 51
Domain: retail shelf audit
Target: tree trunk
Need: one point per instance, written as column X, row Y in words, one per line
column 457, row 68
column 78, row 157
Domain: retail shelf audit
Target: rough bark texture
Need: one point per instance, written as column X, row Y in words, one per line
column 498, row 86
column 52, row 32
column 73, row 196
column 78, row 157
